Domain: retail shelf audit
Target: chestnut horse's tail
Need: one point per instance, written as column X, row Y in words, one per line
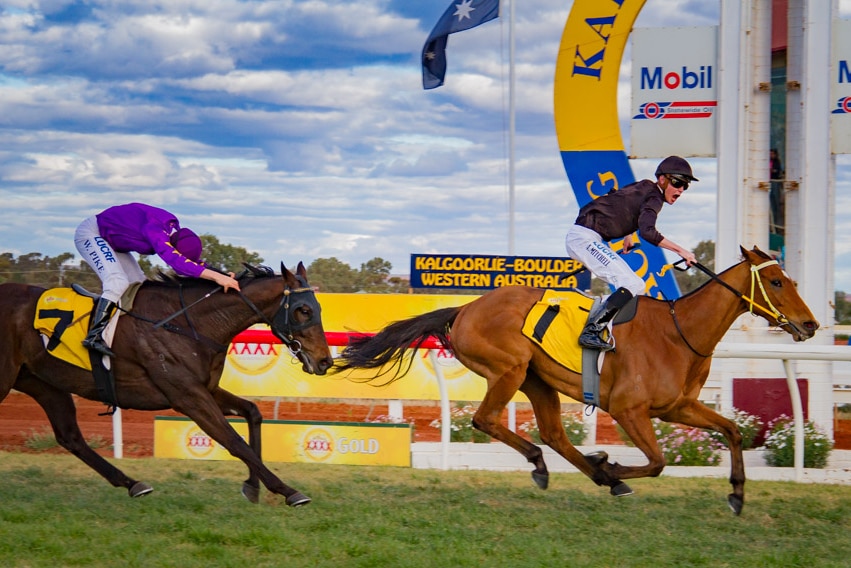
column 392, row 344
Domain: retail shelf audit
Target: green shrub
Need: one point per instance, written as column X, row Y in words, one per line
column 461, row 425
column 573, row 426
column 690, row 446
column 749, row 425
column 780, row 444
column 682, row 446
column 41, row 440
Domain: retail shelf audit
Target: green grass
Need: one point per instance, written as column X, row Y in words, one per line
column 55, row 512
column 43, row 439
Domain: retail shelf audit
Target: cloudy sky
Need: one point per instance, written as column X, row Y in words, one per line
column 299, row 129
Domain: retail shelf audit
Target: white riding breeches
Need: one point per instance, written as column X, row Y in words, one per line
column 116, row 270
column 590, row 249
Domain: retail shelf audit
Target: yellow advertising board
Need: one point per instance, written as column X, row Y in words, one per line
column 341, row 443
column 268, row 370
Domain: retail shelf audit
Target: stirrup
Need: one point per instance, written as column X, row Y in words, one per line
column 591, row 339
column 99, row 346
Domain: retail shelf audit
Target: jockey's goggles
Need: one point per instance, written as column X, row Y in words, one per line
column 678, row 181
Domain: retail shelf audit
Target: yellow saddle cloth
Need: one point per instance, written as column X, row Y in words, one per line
column 62, row 316
column 555, row 323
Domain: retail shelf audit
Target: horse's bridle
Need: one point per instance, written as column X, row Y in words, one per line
column 771, row 310
column 283, row 324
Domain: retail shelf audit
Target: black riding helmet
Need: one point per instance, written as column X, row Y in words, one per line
column 675, row 166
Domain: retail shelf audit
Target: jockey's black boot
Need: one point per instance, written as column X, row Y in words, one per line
column 598, row 318
column 100, row 318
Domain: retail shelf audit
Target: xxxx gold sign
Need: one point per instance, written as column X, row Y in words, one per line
column 350, row 443
column 254, row 358
column 180, row 438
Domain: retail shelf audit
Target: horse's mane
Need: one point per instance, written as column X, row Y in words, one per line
column 172, row 280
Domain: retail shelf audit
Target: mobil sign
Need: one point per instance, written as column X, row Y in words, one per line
column 840, row 88
column 674, row 100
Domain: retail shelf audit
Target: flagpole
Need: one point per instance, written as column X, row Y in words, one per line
column 512, row 406
column 511, row 127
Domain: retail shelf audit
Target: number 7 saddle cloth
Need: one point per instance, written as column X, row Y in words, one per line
column 62, row 318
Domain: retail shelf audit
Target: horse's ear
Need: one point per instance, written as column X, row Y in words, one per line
column 760, row 253
column 301, row 270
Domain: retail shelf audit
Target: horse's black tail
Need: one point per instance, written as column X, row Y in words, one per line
column 392, row 344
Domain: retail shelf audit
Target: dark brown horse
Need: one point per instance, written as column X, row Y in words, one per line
column 658, row 369
column 176, row 365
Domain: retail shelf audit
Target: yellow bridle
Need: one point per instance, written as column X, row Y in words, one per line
column 775, row 313
column 771, row 310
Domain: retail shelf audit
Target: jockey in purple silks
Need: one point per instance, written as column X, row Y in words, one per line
column 618, row 214
column 106, row 240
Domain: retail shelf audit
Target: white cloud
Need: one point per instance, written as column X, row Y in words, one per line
column 299, row 129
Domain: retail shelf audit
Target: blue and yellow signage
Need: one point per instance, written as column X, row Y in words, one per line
column 586, row 116
column 486, row 272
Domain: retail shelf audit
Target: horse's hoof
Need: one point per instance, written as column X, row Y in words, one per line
column 542, row 480
column 597, row 458
column 251, row 493
column 298, row 499
column 736, row 503
column 139, row 489
column 621, row 490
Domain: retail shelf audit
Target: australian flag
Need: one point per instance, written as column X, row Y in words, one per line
column 461, row 15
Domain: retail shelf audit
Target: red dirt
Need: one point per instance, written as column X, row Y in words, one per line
column 20, row 417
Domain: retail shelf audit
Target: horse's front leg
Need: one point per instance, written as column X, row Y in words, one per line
column 695, row 413
column 232, row 405
column 636, row 423
column 196, row 402
column 60, row 410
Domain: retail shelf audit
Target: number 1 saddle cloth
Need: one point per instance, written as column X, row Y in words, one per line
column 555, row 322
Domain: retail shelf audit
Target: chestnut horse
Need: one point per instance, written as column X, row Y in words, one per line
column 661, row 362
column 177, row 364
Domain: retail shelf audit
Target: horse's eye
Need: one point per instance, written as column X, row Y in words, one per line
column 777, row 283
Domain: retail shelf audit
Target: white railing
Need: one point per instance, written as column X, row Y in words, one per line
column 787, row 353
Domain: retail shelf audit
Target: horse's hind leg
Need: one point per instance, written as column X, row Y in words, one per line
column 60, row 410
column 488, row 420
column 547, row 407
column 232, row 405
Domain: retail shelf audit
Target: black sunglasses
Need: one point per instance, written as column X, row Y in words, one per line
column 677, row 182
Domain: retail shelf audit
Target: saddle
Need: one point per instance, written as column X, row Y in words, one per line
column 62, row 318
column 554, row 324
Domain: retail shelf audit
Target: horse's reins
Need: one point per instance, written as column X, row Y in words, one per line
column 287, row 337
column 771, row 310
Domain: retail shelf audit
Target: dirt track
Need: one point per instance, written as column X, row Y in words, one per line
column 20, row 416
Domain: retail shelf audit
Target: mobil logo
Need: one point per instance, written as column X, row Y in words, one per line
column 843, row 106
column 683, row 78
